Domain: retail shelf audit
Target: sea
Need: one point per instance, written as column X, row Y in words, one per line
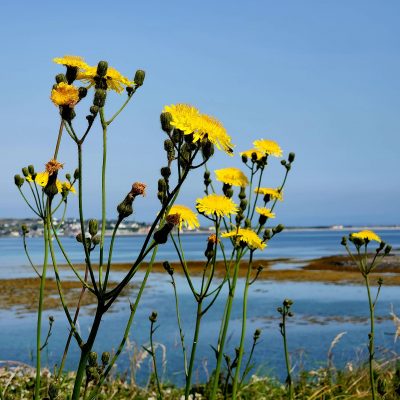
column 322, row 311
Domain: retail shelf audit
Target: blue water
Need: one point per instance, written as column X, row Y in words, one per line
column 321, row 311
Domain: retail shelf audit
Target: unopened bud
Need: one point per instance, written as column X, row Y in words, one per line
column 247, row 223
column 93, row 226
column 244, row 158
column 153, row 317
column 344, row 241
column 76, row 174
column 207, row 149
column 139, row 77
column 257, row 334
column 68, row 177
column 102, row 67
column 125, row 208
column 283, row 162
column 291, row 157
column 25, row 171
column 24, row 229
column 169, row 149
column 96, row 240
column 31, row 169
column 279, row 228
column 243, row 205
column 388, row 249
column 168, row 268
column 267, row 234
column 19, row 180
column 166, row 172
column 242, row 194
column 92, row 360
column 61, row 78
column 82, row 92
column 99, row 98
column 380, row 281
column 166, row 119
column 105, row 358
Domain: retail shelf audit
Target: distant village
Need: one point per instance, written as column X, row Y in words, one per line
column 71, row 227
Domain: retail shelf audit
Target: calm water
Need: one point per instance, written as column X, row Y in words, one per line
column 321, row 310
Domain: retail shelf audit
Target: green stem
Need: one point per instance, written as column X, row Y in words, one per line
column 58, row 140
column 224, row 327
column 120, row 110
column 193, row 351
column 39, row 315
column 287, row 360
column 243, row 333
column 103, row 194
column 153, row 355
column 371, row 346
column 29, row 258
column 110, row 254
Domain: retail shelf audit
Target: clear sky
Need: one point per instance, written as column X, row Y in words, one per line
column 319, row 77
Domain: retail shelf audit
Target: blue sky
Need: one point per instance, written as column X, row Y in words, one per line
column 319, row 77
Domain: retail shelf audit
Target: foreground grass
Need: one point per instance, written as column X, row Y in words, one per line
column 324, row 384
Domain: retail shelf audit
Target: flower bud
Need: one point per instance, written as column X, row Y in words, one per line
column 96, row 240
column 139, row 77
column 168, row 267
column 67, row 113
column 166, row 172
column 207, row 175
column 102, row 67
column 82, row 92
column 18, row 180
column 283, row 162
column 71, row 74
column 125, row 208
column 242, row 194
column 267, row 234
column 257, row 334
column 267, row 198
column 381, row 246
column 170, row 150
column 68, row 177
column 280, row 310
column 153, row 317
column 344, row 241
column 51, row 188
column 94, row 110
column 279, row 228
column 93, row 226
column 247, row 223
column 25, row 171
column 244, row 158
column 380, row 281
column 99, row 97
column 61, row 78
column 243, row 205
column 166, row 119
column 92, row 360
column 31, row 169
column 287, row 302
column 211, row 241
column 262, row 219
column 290, row 314
column 388, row 249
column 291, row 157
column 105, row 358
column 162, row 185
column 76, row 174
column 161, row 236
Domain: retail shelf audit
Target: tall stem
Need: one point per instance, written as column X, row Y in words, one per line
column 193, row 351
column 224, row 327
column 103, row 194
column 243, row 334
column 39, row 315
column 371, row 336
column 287, row 360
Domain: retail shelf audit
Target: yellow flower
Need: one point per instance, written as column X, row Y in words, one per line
column 249, row 153
column 65, row 95
column 184, row 117
column 266, row 212
column 366, row 235
column 231, row 176
column 273, row 193
column 42, row 178
column 212, row 129
column 115, row 80
column 269, row 147
column 215, row 204
column 72, row 61
column 247, row 236
column 187, row 216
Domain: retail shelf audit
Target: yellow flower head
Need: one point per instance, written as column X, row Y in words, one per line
column 273, row 193
column 266, row 212
column 249, row 153
column 187, row 216
column 212, row 129
column 184, row 117
column 65, row 95
column 42, row 178
column 247, row 236
column 72, row 61
column 218, row 205
column 115, row 80
column 366, row 235
column 269, row 147
column 231, row 176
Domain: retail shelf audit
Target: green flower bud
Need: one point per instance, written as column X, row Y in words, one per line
column 287, row 302
column 388, row 249
column 239, row 218
column 262, row 220
column 207, row 175
column 161, row 236
column 24, row 229
column 125, row 208
column 283, row 162
column 61, row 78
column 177, row 135
column 242, row 194
column 76, row 174
column 291, row 157
column 102, row 67
column 267, row 235
column 257, row 334
column 71, row 74
column 166, row 119
column 170, row 150
column 279, row 228
column 99, row 97
column 153, row 317
column 31, row 169
column 82, row 92
column 247, row 223
column 79, row 237
column 243, row 205
column 344, row 241
column 105, row 358
column 380, row 281
column 67, row 113
column 93, row 226
column 25, row 171
column 165, row 172
column 68, row 177
column 139, row 77
column 207, row 149
column 280, row 310
column 92, row 360
column 18, row 180
column 130, row 90
column 94, row 110
column 162, row 185
column 244, row 158
column 51, row 188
